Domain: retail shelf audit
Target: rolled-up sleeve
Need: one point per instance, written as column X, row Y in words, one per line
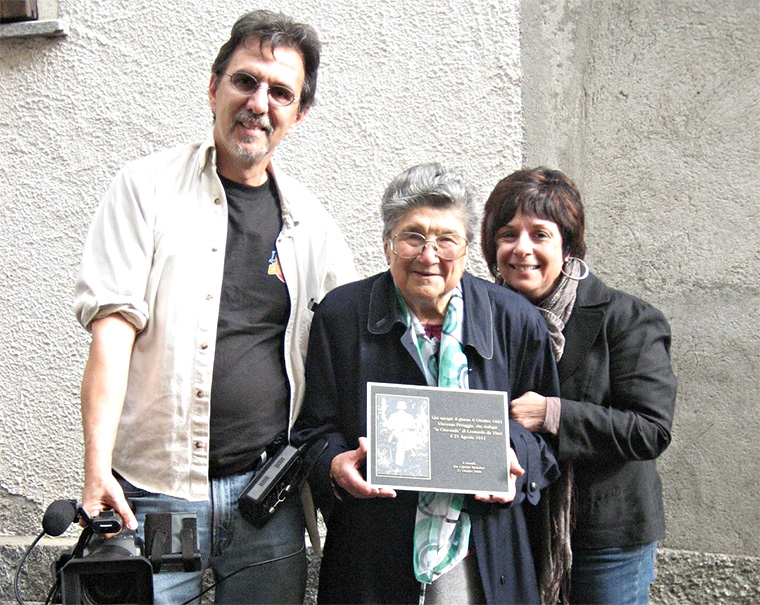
column 116, row 258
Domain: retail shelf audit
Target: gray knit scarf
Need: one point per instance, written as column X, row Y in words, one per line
column 556, row 507
column 556, row 309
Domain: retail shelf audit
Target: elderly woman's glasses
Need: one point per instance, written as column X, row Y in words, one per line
column 246, row 84
column 449, row 246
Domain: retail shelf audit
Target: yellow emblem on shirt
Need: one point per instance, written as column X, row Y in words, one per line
column 274, row 266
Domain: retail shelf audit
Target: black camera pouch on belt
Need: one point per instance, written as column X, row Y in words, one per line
column 270, row 486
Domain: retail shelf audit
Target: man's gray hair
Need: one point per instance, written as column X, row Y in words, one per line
column 428, row 186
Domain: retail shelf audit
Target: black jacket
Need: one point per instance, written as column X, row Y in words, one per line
column 358, row 336
column 618, row 396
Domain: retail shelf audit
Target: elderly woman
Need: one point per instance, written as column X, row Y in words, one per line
column 617, row 387
column 391, row 328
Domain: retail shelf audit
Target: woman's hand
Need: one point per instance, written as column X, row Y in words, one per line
column 515, row 471
column 529, row 410
column 344, row 470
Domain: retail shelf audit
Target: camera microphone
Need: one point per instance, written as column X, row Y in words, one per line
column 58, row 516
column 56, row 520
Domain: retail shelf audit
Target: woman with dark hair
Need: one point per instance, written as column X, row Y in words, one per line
column 618, row 390
column 424, row 321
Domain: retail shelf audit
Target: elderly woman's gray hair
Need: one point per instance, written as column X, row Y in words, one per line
column 431, row 186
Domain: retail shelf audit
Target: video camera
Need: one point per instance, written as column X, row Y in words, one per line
column 104, row 570
column 113, row 565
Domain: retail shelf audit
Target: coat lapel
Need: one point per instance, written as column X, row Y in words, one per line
column 584, row 325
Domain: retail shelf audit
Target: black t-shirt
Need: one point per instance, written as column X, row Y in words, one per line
column 249, row 390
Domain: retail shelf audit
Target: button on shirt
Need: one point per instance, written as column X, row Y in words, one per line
column 155, row 254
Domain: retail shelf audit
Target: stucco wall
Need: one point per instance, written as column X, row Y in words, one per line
column 400, row 83
column 652, row 107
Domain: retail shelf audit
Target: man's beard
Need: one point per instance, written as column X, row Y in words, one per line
column 240, row 147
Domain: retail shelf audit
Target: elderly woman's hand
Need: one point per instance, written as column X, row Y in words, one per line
column 529, row 410
column 344, row 471
column 515, row 471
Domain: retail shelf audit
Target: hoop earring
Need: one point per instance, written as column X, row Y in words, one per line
column 499, row 277
column 584, row 268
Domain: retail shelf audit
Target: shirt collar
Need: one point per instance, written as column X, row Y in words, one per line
column 206, row 154
column 206, row 160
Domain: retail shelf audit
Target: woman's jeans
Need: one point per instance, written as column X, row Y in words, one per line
column 613, row 576
column 265, row 565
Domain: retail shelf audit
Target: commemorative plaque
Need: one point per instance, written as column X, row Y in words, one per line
column 437, row 439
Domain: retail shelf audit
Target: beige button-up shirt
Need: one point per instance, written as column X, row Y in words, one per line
column 155, row 254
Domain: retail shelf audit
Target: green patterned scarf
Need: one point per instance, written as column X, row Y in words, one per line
column 442, row 528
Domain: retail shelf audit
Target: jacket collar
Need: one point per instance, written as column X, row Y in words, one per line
column 584, row 324
column 385, row 312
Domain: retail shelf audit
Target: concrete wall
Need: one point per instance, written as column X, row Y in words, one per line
column 651, row 106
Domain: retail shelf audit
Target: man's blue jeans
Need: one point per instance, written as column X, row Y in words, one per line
column 265, row 565
column 613, row 576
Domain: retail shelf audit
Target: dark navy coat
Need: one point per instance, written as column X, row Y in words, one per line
column 358, row 336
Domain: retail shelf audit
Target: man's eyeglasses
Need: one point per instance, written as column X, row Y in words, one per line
column 246, row 84
column 449, row 246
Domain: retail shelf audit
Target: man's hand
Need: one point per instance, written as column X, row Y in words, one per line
column 344, row 470
column 106, row 493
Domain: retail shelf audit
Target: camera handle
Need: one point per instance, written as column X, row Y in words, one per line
column 84, row 538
